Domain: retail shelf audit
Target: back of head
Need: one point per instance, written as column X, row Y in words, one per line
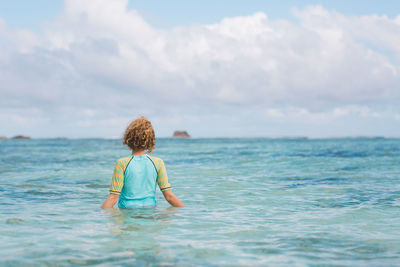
column 139, row 135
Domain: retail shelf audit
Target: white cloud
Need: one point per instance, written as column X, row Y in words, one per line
column 307, row 116
column 101, row 61
column 274, row 113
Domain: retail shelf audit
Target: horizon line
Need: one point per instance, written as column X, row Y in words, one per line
column 222, row 137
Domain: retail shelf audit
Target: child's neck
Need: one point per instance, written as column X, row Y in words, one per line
column 138, row 153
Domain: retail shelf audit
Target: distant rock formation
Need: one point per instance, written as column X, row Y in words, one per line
column 3, row 137
column 181, row 134
column 21, row 137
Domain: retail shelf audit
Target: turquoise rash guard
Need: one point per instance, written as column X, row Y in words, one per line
column 135, row 180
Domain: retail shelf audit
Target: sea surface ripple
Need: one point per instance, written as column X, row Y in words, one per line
column 250, row 202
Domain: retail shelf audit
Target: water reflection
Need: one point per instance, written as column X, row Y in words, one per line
column 139, row 232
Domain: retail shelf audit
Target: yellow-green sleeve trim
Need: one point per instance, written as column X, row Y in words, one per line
column 114, row 192
column 165, row 189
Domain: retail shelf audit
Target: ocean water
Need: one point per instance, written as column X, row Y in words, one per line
column 250, row 202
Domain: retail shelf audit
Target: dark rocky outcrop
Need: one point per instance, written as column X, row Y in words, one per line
column 181, row 134
column 21, row 137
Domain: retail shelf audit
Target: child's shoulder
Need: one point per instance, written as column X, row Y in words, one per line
column 156, row 160
column 124, row 161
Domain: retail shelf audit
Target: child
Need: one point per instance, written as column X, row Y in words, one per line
column 134, row 180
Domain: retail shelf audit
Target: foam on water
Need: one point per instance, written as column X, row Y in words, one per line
column 249, row 202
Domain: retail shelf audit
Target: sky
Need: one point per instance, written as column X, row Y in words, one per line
column 214, row 68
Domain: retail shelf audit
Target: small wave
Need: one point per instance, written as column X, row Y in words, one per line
column 32, row 186
column 15, row 221
column 96, row 186
column 349, row 168
column 47, row 193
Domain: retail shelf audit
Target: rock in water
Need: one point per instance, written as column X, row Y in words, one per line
column 181, row 134
column 3, row 137
column 21, row 137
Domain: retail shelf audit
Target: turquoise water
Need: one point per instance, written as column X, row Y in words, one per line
column 250, row 202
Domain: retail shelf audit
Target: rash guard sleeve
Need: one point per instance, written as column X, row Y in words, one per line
column 117, row 180
column 162, row 177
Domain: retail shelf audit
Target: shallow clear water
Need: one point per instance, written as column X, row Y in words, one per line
column 249, row 202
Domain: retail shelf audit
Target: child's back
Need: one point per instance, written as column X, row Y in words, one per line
column 135, row 178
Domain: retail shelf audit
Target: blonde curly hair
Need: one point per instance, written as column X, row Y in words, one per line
column 139, row 135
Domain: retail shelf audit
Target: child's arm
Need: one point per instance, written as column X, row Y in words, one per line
column 172, row 199
column 110, row 201
column 117, row 182
column 165, row 186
